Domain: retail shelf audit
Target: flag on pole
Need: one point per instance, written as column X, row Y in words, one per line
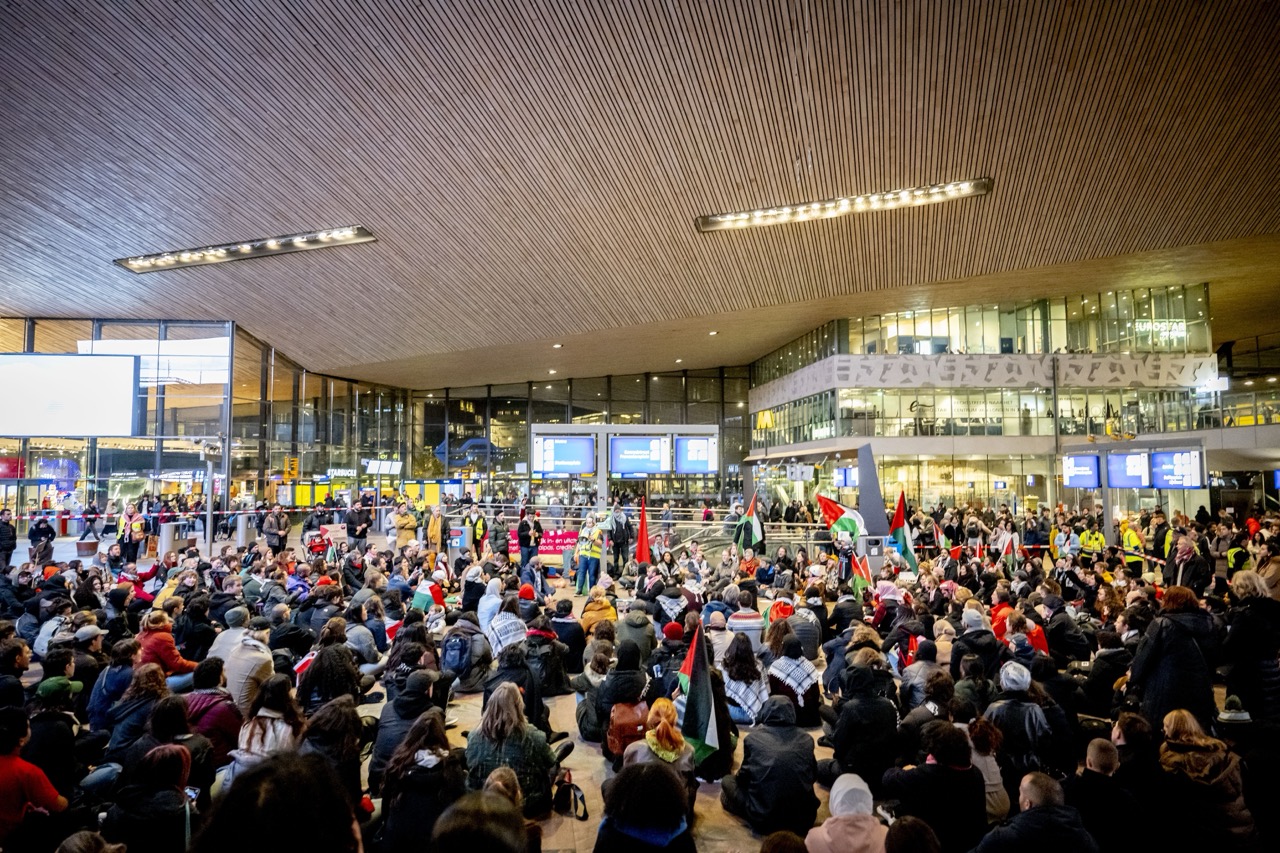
column 749, row 532
column 642, row 536
column 1007, row 556
column 841, row 519
column 699, row 727
column 861, row 578
column 940, row 539
column 898, row 533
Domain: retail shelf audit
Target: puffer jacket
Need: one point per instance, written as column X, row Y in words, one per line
column 638, row 628
column 159, row 647
column 866, row 732
column 1027, row 735
column 1205, row 780
column 1171, row 669
column 850, row 833
column 984, row 644
column 598, row 610
column 778, row 771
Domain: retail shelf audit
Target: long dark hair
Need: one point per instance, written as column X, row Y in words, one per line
column 332, row 674
column 739, row 661
column 337, row 722
column 427, row 733
column 275, row 694
column 408, row 635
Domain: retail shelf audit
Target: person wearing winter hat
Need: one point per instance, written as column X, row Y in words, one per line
column 398, row 716
column 237, row 618
column 529, row 604
column 853, row 826
column 1026, row 731
column 979, row 640
column 663, row 665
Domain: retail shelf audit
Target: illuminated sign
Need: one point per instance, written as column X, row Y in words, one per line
column 1080, row 472
column 1161, row 329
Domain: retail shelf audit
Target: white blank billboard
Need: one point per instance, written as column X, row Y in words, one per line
column 94, row 396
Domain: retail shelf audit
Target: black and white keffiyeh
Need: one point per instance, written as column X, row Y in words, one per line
column 797, row 674
column 747, row 695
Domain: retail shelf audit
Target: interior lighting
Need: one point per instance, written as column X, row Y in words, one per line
column 713, row 333
column 679, row 360
column 556, row 346
column 552, row 372
column 845, row 205
column 247, row 249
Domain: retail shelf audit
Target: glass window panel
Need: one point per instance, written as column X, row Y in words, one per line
column 63, row 336
column 630, row 388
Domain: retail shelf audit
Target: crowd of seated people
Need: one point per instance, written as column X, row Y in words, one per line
column 969, row 702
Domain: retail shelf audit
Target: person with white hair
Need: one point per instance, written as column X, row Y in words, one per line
column 853, row 826
column 1027, row 735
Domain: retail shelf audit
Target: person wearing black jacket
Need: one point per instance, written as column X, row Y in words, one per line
column 296, row 639
column 1109, row 666
column 52, row 746
column 1066, row 641
column 358, row 523
column 569, row 630
column 846, row 611
column 1251, row 646
column 624, row 684
column 978, row 640
column 1045, row 823
column 865, row 732
column 323, row 604
column 1188, row 568
column 773, row 788
column 8, row 540
column 947, row 792
column 513, row 666
column 1171, row 668
column 397, row 718
column 1105, row 806
column 424, row 776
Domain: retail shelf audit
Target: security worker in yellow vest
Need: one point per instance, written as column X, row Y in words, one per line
column 1131, row 541
column 1237, row 556
column 1092, row 544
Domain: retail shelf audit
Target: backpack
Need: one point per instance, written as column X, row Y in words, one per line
column 455, row 654
column 626, row 725
column 972, row 530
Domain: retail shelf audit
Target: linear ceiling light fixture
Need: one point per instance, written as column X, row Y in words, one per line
column 831, row 208
column 247, row 249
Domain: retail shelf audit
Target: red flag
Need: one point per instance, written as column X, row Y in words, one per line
column 642, row 541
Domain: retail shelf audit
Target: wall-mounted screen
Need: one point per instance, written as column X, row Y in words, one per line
column 564, row 454
column 1128, row 471
column 846, row 478
column 639, row 454
column 1080, row 472
column 391, row 467
column 45, row 395
column 1179, row 469
column 698, row 454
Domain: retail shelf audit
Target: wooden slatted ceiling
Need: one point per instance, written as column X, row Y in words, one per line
column 532, row 168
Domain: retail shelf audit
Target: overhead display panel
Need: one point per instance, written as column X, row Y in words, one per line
column 1080, row 472
column 564, row 454
column 697, row 454
column 1179, row 469
column 1128, row 471
column 43, row 395
column 846, row 478
column 639, row 454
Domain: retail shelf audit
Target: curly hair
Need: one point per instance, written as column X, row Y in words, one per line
column 332, row 674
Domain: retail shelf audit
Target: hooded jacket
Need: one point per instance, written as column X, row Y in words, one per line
column 1171, row 668
column 147, row 820
column 597, row 610
column 850, row 833
column 214, row 715
column 431, row 786
column 952, row 800
column 489, row 603
column 984, row 644
column 1205, row 783
column 779, row 768
column 638, row 628
column 128, row 722
column 481, row 656
column 865, row 739
column 569, row 631
column 398, row 716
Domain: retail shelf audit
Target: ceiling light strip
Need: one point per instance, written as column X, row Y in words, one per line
column 835, row 207
column 247, row 249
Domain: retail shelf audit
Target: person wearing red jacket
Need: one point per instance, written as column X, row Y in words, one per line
column 158, row 647
column 1000, row 610
column 1018, row 623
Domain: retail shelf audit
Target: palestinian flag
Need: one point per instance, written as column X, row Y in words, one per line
column 749, row 532
column 1007, row 556
column 841, row 519
column 899, row 533
column 699, row 728
column 861, row 575
column 944, row 544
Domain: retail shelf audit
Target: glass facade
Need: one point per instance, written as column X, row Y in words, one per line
column 199, row 382
column 1172, row 319
column 481, row 436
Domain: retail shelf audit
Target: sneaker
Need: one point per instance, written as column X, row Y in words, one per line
column 557, row 736
column 465, row 733
column 450, row 723
column 826, row 741
column 563, row 751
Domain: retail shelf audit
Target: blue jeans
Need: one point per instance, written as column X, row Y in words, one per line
column 588, row 573
column 527, row 553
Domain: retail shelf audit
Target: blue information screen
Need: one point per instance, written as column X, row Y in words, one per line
column 639, row 454
column 1179, row 469
column 569, row 454
column 846, row 478
column 1128, row 471
column 1080, row 472
column 697, row 454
